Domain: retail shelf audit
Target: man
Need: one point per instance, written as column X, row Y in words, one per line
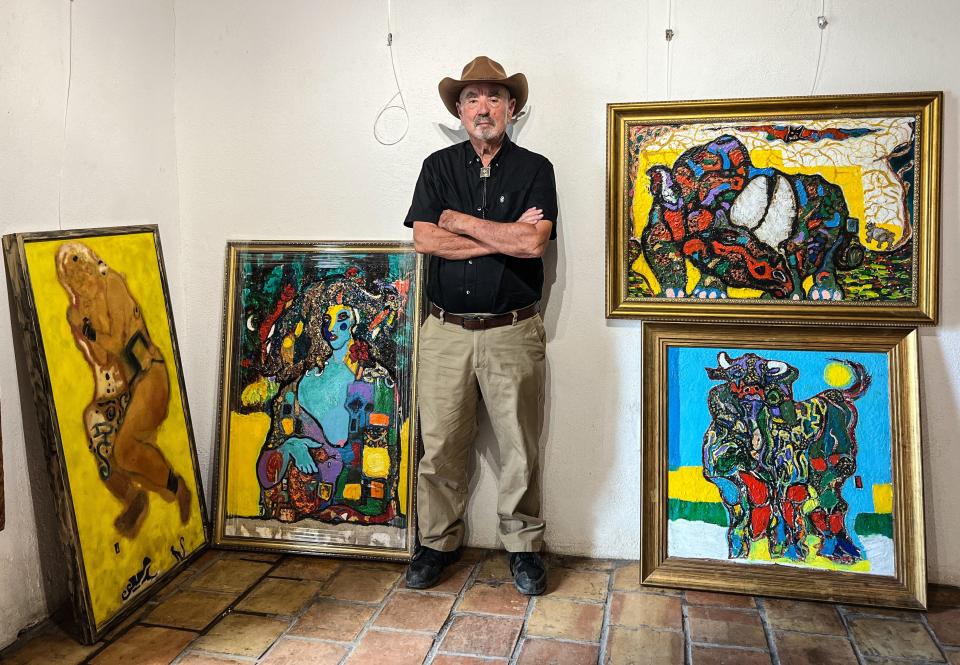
column 484, row 211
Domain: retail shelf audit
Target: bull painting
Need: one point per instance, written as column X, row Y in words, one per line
column 780, row 463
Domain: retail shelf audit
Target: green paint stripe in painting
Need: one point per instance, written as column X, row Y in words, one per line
column 871, row 524
column 695, row 511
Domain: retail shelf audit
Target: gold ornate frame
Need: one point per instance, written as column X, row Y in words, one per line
column 25, row 305
column 906, row 589
column 220, row 538
column 925, row 107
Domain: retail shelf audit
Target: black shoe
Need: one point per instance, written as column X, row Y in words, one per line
column 529, row 573
column 427, row 565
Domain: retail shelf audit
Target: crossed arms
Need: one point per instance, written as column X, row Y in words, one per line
column 457, row 235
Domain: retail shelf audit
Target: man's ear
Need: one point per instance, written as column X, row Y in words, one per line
column 512, row 108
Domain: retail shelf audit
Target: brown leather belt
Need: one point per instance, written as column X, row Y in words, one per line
column 485, row 322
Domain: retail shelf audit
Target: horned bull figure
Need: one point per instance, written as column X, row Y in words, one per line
column 780, row 464
column 746, row 227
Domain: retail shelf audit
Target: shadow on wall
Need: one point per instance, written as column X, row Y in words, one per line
column 940, row 418
column 53, row 568
column 486, row 443
column 936, row 372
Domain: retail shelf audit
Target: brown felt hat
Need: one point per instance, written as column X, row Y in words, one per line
column 483, row 70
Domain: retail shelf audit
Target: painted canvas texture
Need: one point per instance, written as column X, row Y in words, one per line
column 320, row 399
column 126, row 444
column 812, row 210
column 780, row 457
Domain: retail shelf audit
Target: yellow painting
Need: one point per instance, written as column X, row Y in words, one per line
column 106, row 339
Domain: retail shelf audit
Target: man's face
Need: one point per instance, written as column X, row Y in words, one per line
column 485, row 109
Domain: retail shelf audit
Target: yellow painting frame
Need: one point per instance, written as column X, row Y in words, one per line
column 872, row 160
column 102, row 354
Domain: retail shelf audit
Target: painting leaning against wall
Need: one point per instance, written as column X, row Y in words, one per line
column 316, row 425
column 791, row 461
column 106, row 376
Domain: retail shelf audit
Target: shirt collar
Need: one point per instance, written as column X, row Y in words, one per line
column 470, row 155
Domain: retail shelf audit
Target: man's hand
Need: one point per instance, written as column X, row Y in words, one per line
column 451, row 220
column 429, row 238
column 525, row 239
column 531, row 216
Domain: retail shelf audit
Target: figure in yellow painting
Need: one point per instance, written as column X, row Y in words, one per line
column 131, row 387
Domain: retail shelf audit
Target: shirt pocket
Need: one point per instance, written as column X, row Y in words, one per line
column 507, row 205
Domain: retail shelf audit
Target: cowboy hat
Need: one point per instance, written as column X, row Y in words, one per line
column 483, row 70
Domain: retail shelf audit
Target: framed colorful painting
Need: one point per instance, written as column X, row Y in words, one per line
column 102, row 354
column 783, row 461
column 317, row 412
column 796, row 209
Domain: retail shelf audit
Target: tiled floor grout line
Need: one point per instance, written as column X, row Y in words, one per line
column 738, row 610
column 318, row 640
column 933, row 636
column 321, row 585
column 730, row 647
column 189, row 651
column 373, row 617
column 768, row 631
column 845, row 620
column 640, row 627
column 522, row 635
column 607, row 617
column 445, row 628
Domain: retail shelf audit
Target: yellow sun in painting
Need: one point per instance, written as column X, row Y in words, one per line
column 837, row 374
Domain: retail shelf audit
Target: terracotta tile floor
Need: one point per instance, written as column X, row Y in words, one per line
column 231, row 607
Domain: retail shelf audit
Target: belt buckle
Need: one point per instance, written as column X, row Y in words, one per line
column 515, row 315
column 468, row 320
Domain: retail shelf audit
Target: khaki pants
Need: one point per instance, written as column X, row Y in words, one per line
column 507, row 366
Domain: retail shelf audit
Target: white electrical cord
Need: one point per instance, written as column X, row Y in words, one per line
column 402, row 106
column 66, row 108
column 669, row 37
column 822, row 24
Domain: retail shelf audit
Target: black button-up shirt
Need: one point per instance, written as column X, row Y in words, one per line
column 518, row 180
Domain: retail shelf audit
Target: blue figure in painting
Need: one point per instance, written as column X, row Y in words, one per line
column 332, row 450
column 780, row 463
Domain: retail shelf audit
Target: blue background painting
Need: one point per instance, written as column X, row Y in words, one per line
column 689, row 417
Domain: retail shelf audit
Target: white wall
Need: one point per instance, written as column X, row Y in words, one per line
column 119, row 167
column 272, row 138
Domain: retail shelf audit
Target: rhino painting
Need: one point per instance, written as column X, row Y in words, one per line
column 783, row 234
